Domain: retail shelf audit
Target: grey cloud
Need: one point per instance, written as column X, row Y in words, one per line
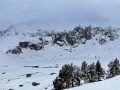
column 60, row 12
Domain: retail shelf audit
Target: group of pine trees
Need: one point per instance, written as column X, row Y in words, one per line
column 92, row 73
column 71, row 75
column 114, row 68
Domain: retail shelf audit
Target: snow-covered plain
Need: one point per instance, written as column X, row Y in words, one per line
column 13, row 71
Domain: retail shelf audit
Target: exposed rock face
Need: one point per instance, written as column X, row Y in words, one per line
column 24, row 44
column 79, row 35
column 36, row 47
column 32, row 46
column 35, row 83
column 17, row 50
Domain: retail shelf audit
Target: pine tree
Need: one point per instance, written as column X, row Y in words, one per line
column 99, row 70
column 110, row 71
column 69, row 76
column 92, row 73
column 58, row 84
column 76, row 76
column 84, row 70
column 114, row 68
column 84, row 67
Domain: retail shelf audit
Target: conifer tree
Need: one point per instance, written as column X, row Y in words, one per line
column 84, row 67
column 99, row 70
column 84, row 71
column 110, row 71
column 69, row 76
column 114, row 68
column 92, row 73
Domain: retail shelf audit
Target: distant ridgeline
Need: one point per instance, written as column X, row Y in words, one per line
column 79, row 35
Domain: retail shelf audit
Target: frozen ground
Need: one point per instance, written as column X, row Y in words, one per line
column 15, row 71
column 111, row 84
column 50, row 60
column 15, row 76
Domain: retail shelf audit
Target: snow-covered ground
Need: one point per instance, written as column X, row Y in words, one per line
column 13, row 71
column 111, row 84
column 16, row 76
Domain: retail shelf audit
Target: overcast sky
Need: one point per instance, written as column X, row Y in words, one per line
column 60, row 12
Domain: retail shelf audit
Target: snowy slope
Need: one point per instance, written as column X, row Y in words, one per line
column 50, row 56
column 111, row 84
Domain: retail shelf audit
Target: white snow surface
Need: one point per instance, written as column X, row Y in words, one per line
column 111, row 84
column 47, row 59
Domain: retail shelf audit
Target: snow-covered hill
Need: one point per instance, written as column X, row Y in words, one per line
column 50, row 56
column 111, row 84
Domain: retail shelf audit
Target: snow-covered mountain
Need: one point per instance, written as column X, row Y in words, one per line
column 58, row 48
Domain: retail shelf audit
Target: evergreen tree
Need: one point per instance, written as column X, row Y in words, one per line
column 69, row 76
column 99, row 70
column 58, row 83
column 92, row 73
column 84, row 70
column 110, row 71
column 84, row 67
column 114, row 68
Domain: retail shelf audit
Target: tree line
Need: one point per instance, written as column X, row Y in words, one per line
column 71, row 75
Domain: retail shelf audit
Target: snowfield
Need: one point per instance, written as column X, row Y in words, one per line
column 48, row 62
column 16, row 76
column 111, row 84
